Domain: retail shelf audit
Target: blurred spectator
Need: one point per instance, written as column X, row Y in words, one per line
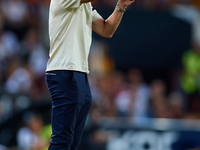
column 19, row 81
column 9, row 48
column 29, row 137
column 191, row 70
column 17, row 16
column 15, row 10
column 9, row 45
column 37, row 58
column 107, row 88
column 133, row 101
column 106, row 85
column 158, row 105
column 32, row 46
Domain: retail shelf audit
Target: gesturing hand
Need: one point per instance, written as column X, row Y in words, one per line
column 124, row 3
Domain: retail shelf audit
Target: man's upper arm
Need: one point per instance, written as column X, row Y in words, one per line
column 68, row 4
column 97, row 22
column 97, row 26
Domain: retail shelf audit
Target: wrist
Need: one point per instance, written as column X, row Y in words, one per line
column 121, row 5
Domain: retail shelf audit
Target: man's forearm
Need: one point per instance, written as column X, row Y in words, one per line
column 112, row 23
column 107, row 28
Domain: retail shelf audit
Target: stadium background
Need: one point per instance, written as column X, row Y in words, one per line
column 145, row 81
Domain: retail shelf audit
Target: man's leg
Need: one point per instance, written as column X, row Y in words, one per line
column 82, row 117
column 68, row 94
column 68, row 91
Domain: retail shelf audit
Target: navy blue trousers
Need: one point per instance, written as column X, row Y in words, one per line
column 71, row 100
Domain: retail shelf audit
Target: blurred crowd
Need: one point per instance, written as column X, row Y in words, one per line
column 24, row 53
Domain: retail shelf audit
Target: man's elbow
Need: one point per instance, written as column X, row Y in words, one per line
column 106, row 30
column 108, row 35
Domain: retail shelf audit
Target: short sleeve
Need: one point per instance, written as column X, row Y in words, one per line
column 68, row 4
column 95, row 15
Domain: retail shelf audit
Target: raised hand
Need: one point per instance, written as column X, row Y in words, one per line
column 124, row 3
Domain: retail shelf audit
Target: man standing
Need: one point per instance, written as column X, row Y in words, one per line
column 70, row 29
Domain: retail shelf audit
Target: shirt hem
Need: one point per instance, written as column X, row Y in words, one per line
column 71, row 69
